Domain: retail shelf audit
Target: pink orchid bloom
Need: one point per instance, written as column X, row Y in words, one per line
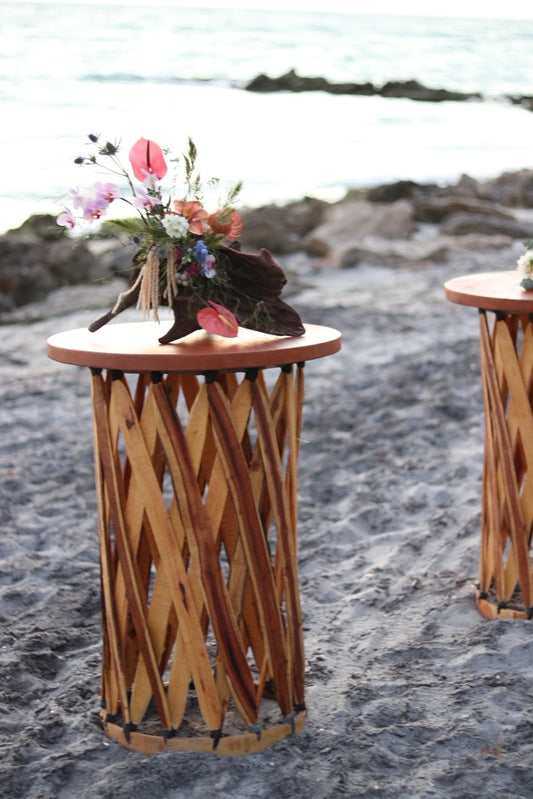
column 66, row 219
column 144, row 200
column 218, row 320
column 146, row 158
column 94, row 208
column 77, row 198
column 193, row 212
column 108, row 191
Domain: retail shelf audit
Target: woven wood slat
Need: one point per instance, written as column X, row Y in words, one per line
column 294, row 424
column 283, row 516
column 171, row 562
column 128, row 638
column 497, row 447
column 507, row 477
column 114, row 687
column 122, row 406
column 161, row 615
column 202, row 542
column 526, row 368
column 253, row 541
column 520, row 426
column 137, row 667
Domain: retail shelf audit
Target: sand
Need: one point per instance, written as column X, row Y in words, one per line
column 411, row 693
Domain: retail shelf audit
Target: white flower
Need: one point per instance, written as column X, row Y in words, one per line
column 525, row 263
column 209, row 269
column 175, row 225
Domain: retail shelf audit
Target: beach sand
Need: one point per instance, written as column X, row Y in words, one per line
column 411, row 694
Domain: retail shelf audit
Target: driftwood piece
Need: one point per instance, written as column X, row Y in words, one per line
column 253, row 295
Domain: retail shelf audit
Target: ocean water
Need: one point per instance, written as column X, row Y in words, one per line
column 169, row 73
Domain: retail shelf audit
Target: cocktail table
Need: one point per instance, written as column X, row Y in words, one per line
column 196, row 453
column 505, row 571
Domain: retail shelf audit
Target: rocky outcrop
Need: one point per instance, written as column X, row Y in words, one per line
column 283, row 227
column 407, row 89
column 39, row 257
column 410, row 89
column 413, row 90
column 393, row 224
column 355, row 220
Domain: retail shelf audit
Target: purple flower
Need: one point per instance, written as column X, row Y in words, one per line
column 200, row 252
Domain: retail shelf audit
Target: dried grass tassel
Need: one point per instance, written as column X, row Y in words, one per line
column 149, row 293
column 172, row 286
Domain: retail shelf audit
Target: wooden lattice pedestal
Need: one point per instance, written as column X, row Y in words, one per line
column 505, row 569
column 505, row 576
column 196, row 481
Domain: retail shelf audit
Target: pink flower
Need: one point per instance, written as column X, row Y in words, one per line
column 146, row 158
column 218, row 320
column 94, row 207
column 108, row 191
column 77, row 197
column 193, row 213
column 66, row 219
column 143, row 200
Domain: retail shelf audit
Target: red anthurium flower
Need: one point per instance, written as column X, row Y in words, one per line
column 147, row 158
column 219, row 320
column 226, row 221
column 193, row 212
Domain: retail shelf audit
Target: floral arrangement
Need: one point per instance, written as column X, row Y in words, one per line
column 186, row 256
column 525, row 266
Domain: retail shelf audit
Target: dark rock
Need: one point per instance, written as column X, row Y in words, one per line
column 283, row 227
column 31, row 267
column 348, row 223
column 413, row 90
column 523, row 100
column 410, row 89
column 291, row 82
column 436, row 209
column 462, row 223
column 512, row 189
column 351, row 257
column 467, row 186
column 391, row 192
column 43, row 226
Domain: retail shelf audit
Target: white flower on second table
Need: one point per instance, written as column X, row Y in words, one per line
column 525, row 263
